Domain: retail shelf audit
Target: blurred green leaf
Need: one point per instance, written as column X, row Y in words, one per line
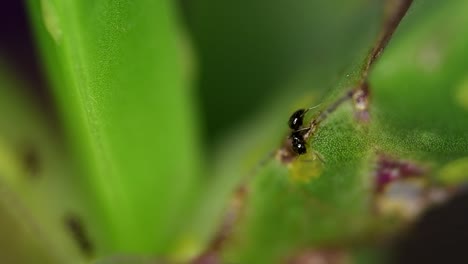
column 35, row 176
column 117, row 76
column 418, row 85
column 251, row 52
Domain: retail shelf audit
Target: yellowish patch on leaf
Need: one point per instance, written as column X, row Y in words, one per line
column 187, row 248
column 455, row 172
column 9, row 165
column 305, row 168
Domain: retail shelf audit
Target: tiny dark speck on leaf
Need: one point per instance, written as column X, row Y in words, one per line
column 31, row 161
column 75, row 226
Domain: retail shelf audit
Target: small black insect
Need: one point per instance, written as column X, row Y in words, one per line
column 297, row 135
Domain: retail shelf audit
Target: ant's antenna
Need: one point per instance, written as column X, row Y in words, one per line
column 313, row 107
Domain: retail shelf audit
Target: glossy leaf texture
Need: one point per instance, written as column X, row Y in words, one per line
column 117, row 76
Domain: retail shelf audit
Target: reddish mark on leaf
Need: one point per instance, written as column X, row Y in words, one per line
column 361, row 98
column 320, row 256
column 232, row 216
column 285, row 154
column 390, row 169
column 207, row 258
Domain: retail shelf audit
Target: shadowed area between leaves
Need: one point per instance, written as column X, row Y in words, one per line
column 439, row 237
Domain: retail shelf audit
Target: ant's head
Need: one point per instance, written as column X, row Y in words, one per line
column 297, row 118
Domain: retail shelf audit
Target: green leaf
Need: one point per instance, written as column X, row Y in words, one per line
column 267, row 62
column 419, row 85
column 117, row 75
column 418, row 113
column 37, row 182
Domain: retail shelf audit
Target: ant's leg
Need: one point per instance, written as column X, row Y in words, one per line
column 302, row 129
column 319, row 156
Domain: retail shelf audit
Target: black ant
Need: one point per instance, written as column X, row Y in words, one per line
column 297, row 135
